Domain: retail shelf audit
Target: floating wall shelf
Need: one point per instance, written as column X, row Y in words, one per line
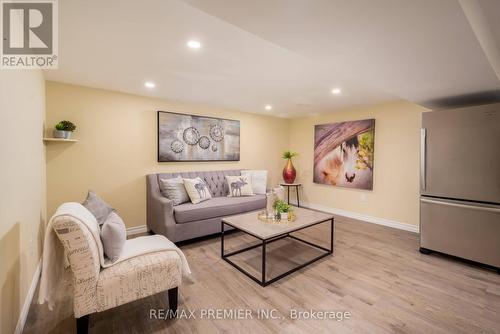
column 59, row 140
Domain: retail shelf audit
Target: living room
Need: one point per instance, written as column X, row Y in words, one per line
column 269, row 166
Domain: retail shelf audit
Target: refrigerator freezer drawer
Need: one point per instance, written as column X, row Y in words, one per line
column 462, row 229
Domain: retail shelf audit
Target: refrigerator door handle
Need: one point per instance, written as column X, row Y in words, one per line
column 423, row 134
column 463, row 206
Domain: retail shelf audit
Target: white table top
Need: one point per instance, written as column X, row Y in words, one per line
column 290, row 184
column 249, row 223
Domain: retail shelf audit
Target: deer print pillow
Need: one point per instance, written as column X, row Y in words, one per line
column 239, row 186
column 197, row 190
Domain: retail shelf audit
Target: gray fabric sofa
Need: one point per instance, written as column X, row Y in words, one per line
column 187, row 220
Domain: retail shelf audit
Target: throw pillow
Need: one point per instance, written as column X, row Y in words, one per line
column 239, row 186
column 197, row 190
column 258, row 179
column 113, row 236
column 174, row 190
column 97, row 207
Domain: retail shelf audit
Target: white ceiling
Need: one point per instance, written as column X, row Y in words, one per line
column 287, row 53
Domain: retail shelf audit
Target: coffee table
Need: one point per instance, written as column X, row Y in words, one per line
column 270, row 232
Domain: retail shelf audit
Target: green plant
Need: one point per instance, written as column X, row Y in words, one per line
column 282, row 207
column 289, row 154
column 65, row 126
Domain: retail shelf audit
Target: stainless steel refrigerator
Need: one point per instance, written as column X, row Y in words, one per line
column 460, row 183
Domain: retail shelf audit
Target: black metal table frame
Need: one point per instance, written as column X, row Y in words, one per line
column 262, row 281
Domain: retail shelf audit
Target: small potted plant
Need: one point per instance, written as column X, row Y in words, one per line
column 282, row 209
column 63, row 129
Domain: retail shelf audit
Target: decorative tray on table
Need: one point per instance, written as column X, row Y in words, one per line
column 267, row 217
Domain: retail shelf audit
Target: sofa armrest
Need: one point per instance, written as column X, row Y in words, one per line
column 160, row 210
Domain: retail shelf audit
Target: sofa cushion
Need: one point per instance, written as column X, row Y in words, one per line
column 258, row 179
column 215, row 180
column 218, row 207
column 97, row 207
column 113, row 236
column 239, row 186
column 197, row 190
column 174, row 190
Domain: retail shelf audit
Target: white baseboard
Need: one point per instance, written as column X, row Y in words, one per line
column 349, row 214
column 29, row 297
column 363, row 217
column 136, row 230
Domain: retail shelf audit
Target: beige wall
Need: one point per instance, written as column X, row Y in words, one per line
column 117, row 146
column 396, row 167
column 22, row 195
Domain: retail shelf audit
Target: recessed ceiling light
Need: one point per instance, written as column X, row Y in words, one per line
column 336, row 91
column 149, row 84
column 268, row 107
column 194, row 44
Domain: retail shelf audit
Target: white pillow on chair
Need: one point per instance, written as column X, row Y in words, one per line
column 113, row 235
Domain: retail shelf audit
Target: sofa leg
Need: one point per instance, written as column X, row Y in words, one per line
column 82, row 324
column 172, row 300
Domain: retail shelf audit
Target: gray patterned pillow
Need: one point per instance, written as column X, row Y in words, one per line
column 113, row 236
column 174, row 190
column 97, row 207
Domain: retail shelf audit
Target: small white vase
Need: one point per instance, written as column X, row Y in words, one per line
column 284, row 215
column 62, row 134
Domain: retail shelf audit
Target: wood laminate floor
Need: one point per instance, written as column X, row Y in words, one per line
column 376, row 274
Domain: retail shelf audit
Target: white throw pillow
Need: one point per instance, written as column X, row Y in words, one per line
column 239, row 185
column 258, row 179
column 197, row 190
column 113, row 235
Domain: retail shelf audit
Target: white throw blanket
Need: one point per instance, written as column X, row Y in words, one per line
column 54, row 259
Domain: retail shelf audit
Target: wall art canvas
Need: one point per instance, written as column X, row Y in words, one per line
column 344, row 153
column 197, row 138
